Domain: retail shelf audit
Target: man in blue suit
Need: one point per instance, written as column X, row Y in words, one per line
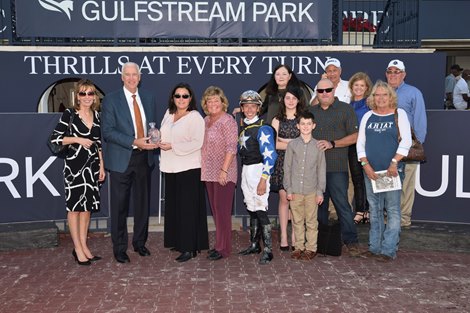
column 128, row 156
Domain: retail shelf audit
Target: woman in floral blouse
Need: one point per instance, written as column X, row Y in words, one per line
column 219, row 166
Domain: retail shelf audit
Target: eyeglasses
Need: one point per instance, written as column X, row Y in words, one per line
column 389, row 72
column 380, row 94
column 327, row 90
column 83, row 93
column 177, row 96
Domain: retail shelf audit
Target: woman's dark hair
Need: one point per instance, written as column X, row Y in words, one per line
column 171, row 103
column 272, row 88
column 301, row 105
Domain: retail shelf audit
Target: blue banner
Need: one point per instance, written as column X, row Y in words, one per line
column 301, row 19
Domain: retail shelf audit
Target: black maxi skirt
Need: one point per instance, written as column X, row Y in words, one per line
column 185, row 227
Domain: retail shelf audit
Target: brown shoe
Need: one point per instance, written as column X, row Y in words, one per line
column 368, row 255
column 296, row 254
column 353, row 249
column 384, row 258
column 308, row 255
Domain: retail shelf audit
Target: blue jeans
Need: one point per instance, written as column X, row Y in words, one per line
column 384, row 239
column 337, row 184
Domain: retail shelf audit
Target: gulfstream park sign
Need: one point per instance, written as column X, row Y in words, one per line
column 198, row 11
column 229, row 18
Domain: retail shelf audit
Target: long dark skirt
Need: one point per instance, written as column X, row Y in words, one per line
column 185, row 212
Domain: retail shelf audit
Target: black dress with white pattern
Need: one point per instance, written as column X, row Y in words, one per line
column 82, row 165
column 288, row 130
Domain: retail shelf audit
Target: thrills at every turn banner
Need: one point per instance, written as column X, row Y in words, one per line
column 300, row 19
column 31, row 182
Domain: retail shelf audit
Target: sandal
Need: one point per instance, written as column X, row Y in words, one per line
column 361, row 217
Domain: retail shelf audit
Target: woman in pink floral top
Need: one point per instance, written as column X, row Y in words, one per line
column 219, row 166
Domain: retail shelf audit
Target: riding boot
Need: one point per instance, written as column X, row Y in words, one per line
column 267, row 255
column 255, row 234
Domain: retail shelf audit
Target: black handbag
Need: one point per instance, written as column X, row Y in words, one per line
column 59, row 149
column 329, row 239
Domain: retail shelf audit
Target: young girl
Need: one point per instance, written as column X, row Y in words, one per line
column 285, row 125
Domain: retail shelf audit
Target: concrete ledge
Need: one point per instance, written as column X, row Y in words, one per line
column 28, row 235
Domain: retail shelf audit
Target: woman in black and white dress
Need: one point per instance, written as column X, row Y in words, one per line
column 83, row 168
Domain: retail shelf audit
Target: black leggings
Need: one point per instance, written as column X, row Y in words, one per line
column 357, row 177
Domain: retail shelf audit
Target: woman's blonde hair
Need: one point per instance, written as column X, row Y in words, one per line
column 390, row 91
column 214, row 91
column 83, row 85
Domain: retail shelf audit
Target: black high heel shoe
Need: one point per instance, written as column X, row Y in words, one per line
column 95, row 258
column 74, row 254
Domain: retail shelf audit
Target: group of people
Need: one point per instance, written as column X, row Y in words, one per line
column 457, row 85
column 304, row 150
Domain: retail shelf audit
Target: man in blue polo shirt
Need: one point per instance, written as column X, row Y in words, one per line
column 411, row 100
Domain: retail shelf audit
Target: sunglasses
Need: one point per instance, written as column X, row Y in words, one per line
column 177, row 96
column 394, row 72
column 327, row 90
column 83, row 93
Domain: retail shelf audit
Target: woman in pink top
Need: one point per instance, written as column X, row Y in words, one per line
column 182, row 131
column 219, row 167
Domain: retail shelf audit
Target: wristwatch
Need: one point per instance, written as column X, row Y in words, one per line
column 363, row 163
column 394, row 161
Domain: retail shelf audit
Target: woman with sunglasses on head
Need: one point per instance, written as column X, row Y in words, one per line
column 83, row 168
column 182, row 136
column 219, row 167
column 360, row 87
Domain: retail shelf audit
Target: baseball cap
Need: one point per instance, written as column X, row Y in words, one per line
column 396, row 63
column 333, row 61
column 250, row 96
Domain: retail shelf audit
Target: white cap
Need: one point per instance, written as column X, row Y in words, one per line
column 334, row 62
column 250, row 96
column 396, row 63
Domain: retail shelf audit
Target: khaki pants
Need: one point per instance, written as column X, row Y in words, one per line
column 304, row 215
column 408, row 193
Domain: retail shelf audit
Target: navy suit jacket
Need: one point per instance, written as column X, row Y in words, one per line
column 117, row 128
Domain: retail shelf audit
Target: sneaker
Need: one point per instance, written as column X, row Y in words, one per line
column 353, row 249
column 384, row 258
column 308, row 255
column 296, row 254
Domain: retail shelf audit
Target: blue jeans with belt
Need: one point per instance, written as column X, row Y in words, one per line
column 337, row 184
